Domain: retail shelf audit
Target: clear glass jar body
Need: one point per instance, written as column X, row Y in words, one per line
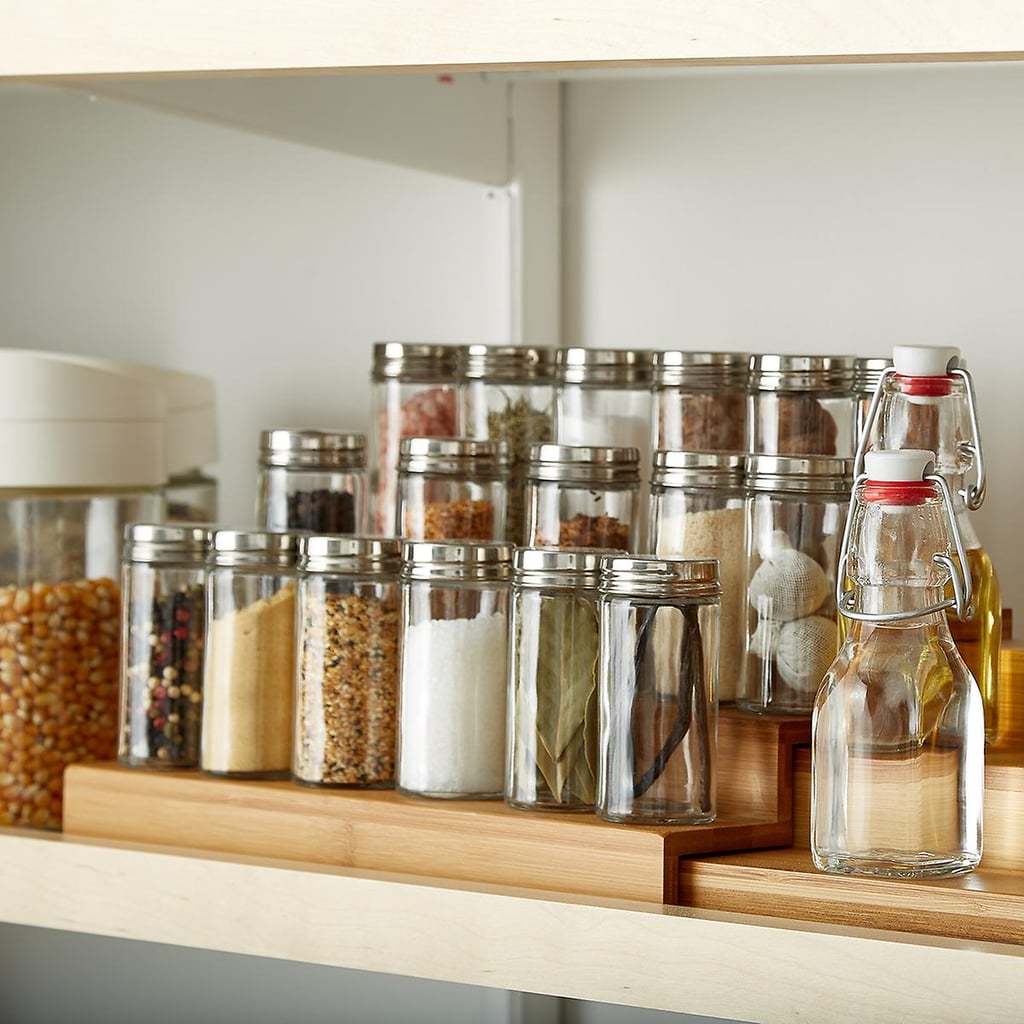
column 801, row 405
column 518, row 414
column 553, row 663
column 162, row 648
column 898, row 727
column 453, row 689
column 451, row 488
column 658, row 706
column 695, row 515
column 60, row 638
column 346, row 716
column 249, row 677
column 321, row 500
column 191, row 497
column 700, row 401
column 414, row 394
column 792, row 554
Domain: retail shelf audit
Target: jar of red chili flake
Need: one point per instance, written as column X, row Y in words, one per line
column 164, row 636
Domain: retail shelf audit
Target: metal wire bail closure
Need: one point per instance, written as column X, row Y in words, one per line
column 961, row 580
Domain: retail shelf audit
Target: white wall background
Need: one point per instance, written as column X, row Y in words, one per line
column 832, row 210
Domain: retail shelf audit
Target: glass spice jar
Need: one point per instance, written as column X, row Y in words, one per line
column 346, row 715
column 311, row 480
column 552, row 719
column 867, row 375
column 249, row 674
column 796, row 510
column 454, row 669
column 898, row 734
column 697, row 511
column 507, row 394
column 414, row 394
column 801, row 405
column 451, row 488
column 658, row 690
column 700, row 401
column 582, row 497
column 163, row 640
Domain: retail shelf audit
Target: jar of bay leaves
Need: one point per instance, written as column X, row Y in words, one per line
column 507, row 394
column 552, row 719
column 658, row 690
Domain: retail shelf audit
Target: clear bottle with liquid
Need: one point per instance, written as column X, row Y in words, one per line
column 897, row 735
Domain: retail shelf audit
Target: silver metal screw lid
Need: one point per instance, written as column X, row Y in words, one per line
column 697, row 469
column 821, row 374
column 559, row 567
column 166, row 542
column 612, row 366
column 508, row 363
column 649, row 576
column 254, row 547
column 452, row 456
column 415, row 362
column 703, row 369
column 455, row 560
column 313, row 449
column 799, row 474
column 583, row 464
column 333, row 553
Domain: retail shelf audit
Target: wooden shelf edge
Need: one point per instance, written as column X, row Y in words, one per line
column 715, row 964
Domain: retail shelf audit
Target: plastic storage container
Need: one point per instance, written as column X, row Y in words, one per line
column 796, row 510
column 658, row 694
column 454, row 669
column 414, row 395
column 311, row 480
column 163, row 645
column 349, row 622
column 507, row 394
column 83, row 455
column 583, row 497
column 697, row 511
column 249, row 675
column 451, row 488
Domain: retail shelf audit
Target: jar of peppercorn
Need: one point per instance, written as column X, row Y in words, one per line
column 311, row 480
column 163, row 614
column 582, row 497
column 451, row 488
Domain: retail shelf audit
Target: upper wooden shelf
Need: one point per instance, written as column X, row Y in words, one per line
column 166, row 37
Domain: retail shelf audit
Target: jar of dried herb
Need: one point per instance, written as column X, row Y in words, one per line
column 552, row 722
column 311, row 480
column 579, row 496
column 163, row 609
column 451, row 488
column 249, row 673
column 507, row 394
column 347, row 687
column 658, row 690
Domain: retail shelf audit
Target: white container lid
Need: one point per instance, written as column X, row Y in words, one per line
column 905, row 465
column 67, row 422
column 925, row 360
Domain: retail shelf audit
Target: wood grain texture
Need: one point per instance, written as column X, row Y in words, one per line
column 481, row 841
column 103, row 37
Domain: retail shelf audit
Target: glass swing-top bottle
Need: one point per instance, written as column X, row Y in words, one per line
column 898, row 746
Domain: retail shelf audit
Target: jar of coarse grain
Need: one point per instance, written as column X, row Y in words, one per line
column 801, row 405
column 83, row 455
column 697, row 511
column 603, row 398
column 658, row 690
column 452, row 488
column 454, row 669
column 795, row 515
column 414, row 394
column 583, row 497
column 347, row 711
column 163, row 613
column 507, row 394
column 311, row 480
column 249, row 674
column 700, row 401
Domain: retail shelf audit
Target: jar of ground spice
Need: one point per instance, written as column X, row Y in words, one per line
column 347, row 712
column 249, row 673
column 454, row 669
column 697, row 511
column 579, row 496
column 414, row 394
column 451, row 488
column 163, row 614
column 311, row 480
column 507, row 394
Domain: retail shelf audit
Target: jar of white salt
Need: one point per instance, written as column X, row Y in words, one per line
column 795, row 515
column 453, row 669
column 697, row 511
